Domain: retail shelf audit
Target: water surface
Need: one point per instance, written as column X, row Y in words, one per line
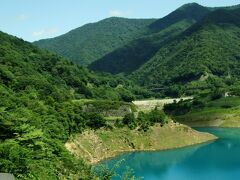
column 218, row 160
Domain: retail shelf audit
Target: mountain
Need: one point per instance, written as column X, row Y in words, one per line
column 39, row 110
column 90, row 42
column 130, row 57
column 190, row 12
column 206, row 55
column 192, row 48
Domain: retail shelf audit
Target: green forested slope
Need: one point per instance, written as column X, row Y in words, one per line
column 130, row 57
column 191, row 12
column 205, row 55
column 90, row 42
column 38, row 114
column 122, row 46
column 133, row 55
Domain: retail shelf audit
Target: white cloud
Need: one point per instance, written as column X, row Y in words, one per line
column 118, row 13
column 45, row 32
column 21, row 17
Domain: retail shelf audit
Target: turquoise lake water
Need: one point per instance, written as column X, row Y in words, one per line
column 218, row 160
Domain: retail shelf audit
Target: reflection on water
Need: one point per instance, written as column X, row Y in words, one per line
column 216, row 160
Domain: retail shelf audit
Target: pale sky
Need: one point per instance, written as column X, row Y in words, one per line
column 38, row 19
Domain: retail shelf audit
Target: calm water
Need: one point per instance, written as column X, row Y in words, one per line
column 211, row 161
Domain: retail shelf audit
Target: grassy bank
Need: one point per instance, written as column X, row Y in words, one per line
column 224, row 112
column 212, row 118
column 94, row 146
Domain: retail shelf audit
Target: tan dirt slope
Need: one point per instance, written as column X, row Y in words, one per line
column 94, row 146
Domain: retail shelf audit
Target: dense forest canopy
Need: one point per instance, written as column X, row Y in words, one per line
column 205, row 53
column 38, row 114
column 90, row 42
column 132, row 56
column 194, row 48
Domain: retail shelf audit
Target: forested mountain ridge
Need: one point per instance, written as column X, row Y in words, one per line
column 191, row 12
column 121, row 46
column 92, row 41
column 38, row 114
column 205, row 55
column 184, row 50
column 130, row 57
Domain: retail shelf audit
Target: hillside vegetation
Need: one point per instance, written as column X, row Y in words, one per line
column 205, row 56
column 130, row 57
column 38, row 110
column 205, row 112
column 90, row 42
column 192, row 49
